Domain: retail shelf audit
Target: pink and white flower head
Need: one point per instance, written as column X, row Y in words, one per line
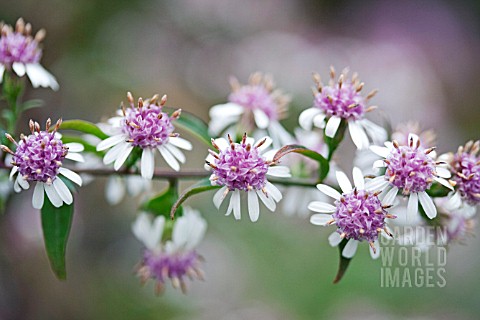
column 22, row 53
column 465, row 166
column 175, row 259
column 410, row 169
column 357, row 212
column 146, row 127
column 339, row 101
column 243, row 167
column 39, row 158
column 256, row 107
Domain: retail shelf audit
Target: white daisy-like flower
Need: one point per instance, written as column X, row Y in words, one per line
column 341, row 101
column 243, row 167
column 22, row 53
column 410, row 169
column 148, row 128
column 174, row 259
column 39, row 158
column 358, row 214
column 256, row 108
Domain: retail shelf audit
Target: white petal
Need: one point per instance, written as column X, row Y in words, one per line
column 115, row 152
column 390, row 196
column 379, row 164
column 358, row 179
column 268, row 142
column 172, row 162
column 221, row 110
column 12, row 173
column 122, row 157
column 359, row 137
column 443, row 182
column 381, row 151
column 236, row 204
column 16, row 186
column 75, row 157
column 52, row 194
column 2, row 70
column 219, row 197
column 329, row 191
column 22, row 182
column 230, row 206
column 322, row 207
column 414, row 138
column 343, row 182
column 63, row 191
column 334, row 239
column 306, row 118
column 261, row 119
column 147, row 165
column 180, row 143
column 332, row 126
column 443, row 172
column 268, row 156
column 253, row 206
column 376, row 184
column 319, row 121
column 412, row 206
column 350, row 249
column 19, row 68
column 427, row 204
column 149, row 234
column 375, row 254
column 176, row 152
column 273, row 191
column 279, row 171
column 38, row 196
column 210, row 159
column 40, row 77
column 320, row 219
column 376, row 132
column 222, row 143
column 111, row 141
column 75, row 147
column 268, row 202
column 114, row 189
column 69, row 174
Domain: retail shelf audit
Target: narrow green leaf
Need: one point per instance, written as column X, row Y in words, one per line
column 201, row 186
column 162, row 203
column 30, row 104
column 192, row 124
column 343, row 264
column 323, row 166
column 56, row 224
column 438, row 190
column 85, row 127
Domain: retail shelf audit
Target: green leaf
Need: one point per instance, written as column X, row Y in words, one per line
column 334, row 142
column 192, row 124
column 201, row 186
column 88, row 147
column 56, row 224
column 438, row 190
column 85, row 127
column 161, row 204
column 30, row 104
column 343, row 264
column 323, row 166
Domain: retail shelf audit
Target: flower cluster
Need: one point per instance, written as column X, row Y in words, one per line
column 22, row 53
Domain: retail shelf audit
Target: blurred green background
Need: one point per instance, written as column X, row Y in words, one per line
column 422, row 56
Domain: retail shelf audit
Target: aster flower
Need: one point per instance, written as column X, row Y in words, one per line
column 342, row 101
column 175, row 259
column 242, row 167
column 465, row 166
column 22, row 53
column 148, row 128
column 410, row 169
column 255, row 107
column 358, row 214
column 39, row 158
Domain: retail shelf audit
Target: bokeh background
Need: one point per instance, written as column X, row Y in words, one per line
column 422, row 55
